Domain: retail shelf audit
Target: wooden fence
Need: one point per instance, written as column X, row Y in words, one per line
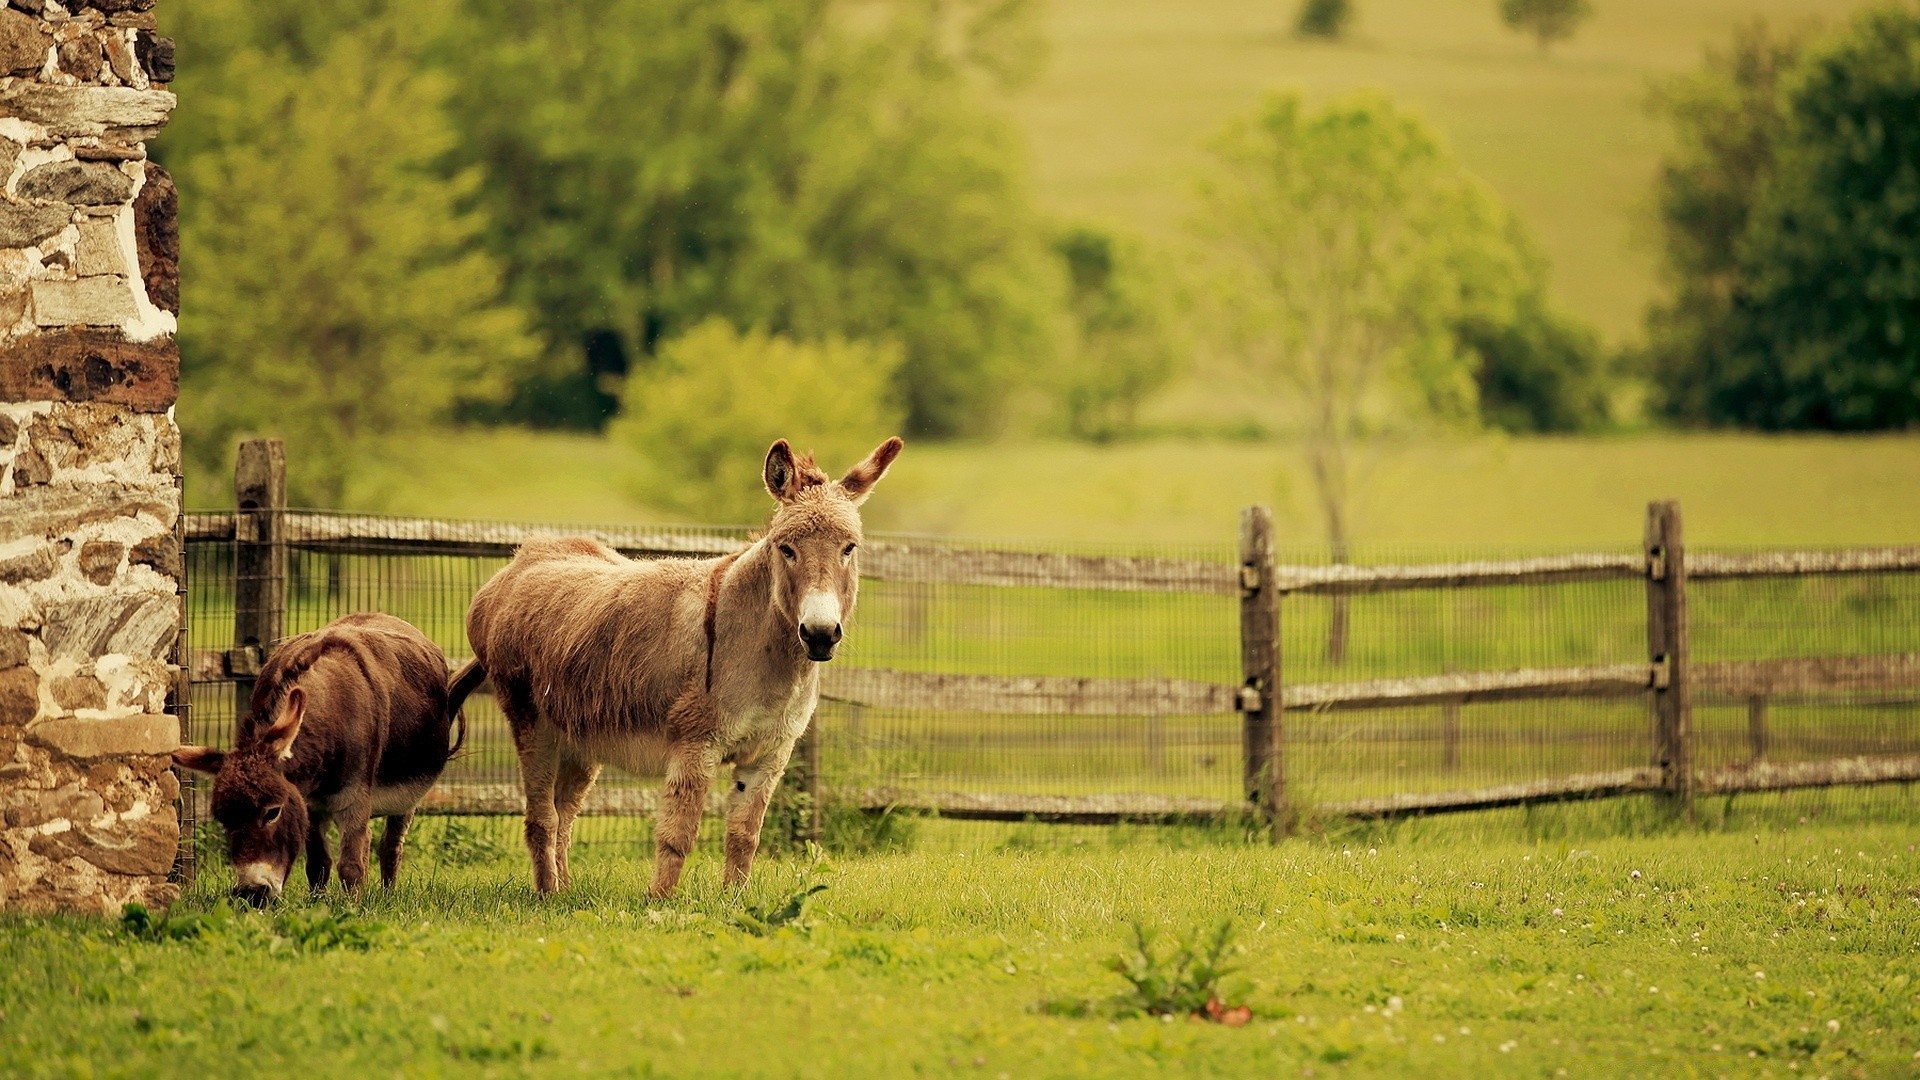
column 262, row 533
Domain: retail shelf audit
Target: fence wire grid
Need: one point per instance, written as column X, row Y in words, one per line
column 1041, row 624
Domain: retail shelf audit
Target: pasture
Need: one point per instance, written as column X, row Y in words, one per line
column 1556, row 943
column 1132, row 89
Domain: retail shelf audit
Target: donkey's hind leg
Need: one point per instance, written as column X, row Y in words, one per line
column 539, row 761
column 392, row 836
column 572, row 782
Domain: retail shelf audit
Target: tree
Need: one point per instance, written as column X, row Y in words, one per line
column 715, row 399
column 1727, row 120
column 1323, row 18
column 1826, row 314
column 340, row 296
column 821, row 169
column 1349, row 247
column 1547, row 20
column 1122, row 348
column 1538, row 371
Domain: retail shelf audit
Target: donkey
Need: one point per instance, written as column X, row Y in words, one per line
column 345, row 722
column 687, row 664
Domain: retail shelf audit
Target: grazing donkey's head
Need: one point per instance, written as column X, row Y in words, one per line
column 264, row 815
column 815, row 537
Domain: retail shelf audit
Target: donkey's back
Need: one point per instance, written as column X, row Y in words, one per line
column 592, row 641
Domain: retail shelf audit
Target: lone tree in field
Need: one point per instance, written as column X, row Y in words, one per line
column 1547, row 20
column 1328, row 19
column 1348, row 248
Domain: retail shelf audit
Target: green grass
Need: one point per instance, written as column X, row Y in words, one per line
column 1409, row 952
column 1117, row 121
column 1467, row 494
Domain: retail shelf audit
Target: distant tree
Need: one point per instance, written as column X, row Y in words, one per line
column 715, row 399
column 1727, row 120
column 824, row 169
column 1323, row 18
column 1123, row 347
column 1349, row 249
column 1547, row 20
column 1826, row 316
column 340, row 296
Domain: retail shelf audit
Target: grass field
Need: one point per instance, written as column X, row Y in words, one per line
column 1417, row 952
column 1457, row 495
column 1133, row 89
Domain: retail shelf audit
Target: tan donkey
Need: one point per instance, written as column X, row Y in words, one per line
column 689, row 664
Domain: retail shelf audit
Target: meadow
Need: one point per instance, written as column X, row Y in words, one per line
column 1762, row 947
column 1118, row 118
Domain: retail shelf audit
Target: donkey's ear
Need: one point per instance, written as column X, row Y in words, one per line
column 782, row 478
column 286, row 726
column 859, row 481
column 200, row 759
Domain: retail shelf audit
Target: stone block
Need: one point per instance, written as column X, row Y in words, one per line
column 19, row 696
column 120, row 58
column 100, row 560
column 73, row 802
column 34, row 6
column 146, row 846
column 155, row 54
column 80, row 183
column 161, row 553
column 98, row 251
column 9, row 156
column 112, row 7
column 50, row 511
column 85, row 110
column 30, row 469
column 76, row 692
column 81, row 58
column 91, row 365
column 146, row 733
column 98, row 301
column 156, row 231
column 13, row 648
column 23, row 43
column 136, row 624
column 35, row 565
column 22, row 225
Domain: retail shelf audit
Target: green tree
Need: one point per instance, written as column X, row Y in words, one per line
column 821, row 168
column 1827, row 313
column 715, row 399
column 1547, row 20
column 1123, row 346
column 1536, row 369
column 1727, row 120
column 1349, row 247
column 339, row 295
column 1323, row 18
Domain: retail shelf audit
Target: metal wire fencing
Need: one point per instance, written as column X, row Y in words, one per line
column 1079, row 683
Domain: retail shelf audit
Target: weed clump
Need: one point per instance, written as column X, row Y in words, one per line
column 1186, row 979
column 294, row 930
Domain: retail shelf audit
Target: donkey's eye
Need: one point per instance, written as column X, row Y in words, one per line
column 270, row 815
column 847, row 552
column 788, row 553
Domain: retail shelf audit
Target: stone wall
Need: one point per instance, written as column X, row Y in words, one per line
column 90, row 564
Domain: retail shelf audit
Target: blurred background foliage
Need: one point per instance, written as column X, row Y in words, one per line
column 693, row 226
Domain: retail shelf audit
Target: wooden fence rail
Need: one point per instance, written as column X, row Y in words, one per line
column 263, row 531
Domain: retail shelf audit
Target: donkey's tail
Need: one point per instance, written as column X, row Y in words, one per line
column 464, row 683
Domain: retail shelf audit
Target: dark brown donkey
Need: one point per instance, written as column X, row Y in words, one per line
column 346, row 722
column 682, row 663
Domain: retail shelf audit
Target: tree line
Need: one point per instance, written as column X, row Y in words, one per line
column 698, row 223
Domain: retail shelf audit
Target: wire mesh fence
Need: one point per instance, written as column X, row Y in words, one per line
column 1097, row 683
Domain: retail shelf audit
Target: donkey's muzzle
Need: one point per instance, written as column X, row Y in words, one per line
column 256, row 895
column 820, row 641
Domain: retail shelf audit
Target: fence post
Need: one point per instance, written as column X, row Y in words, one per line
column 1667, row 650
column 1263, row 729
column 259, row 561
column 1757, row 726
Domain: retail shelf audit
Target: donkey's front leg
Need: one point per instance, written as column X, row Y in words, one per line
column 355, row 819
column 753, row 786
column 690, row 765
